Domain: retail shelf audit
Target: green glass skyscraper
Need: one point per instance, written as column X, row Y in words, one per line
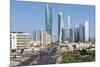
column 48, row 20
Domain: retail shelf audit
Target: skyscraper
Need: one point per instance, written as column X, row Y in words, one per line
column 63, row 35
column 38, row 34
column 60, row 26
column 70, row 30
column 81, row 33
column 69, row 22
column 86, row 31
column 70, row 39
column 76, row 33
column 67, row 29
column 48, row 20
column 34, row 35
column 41, row 37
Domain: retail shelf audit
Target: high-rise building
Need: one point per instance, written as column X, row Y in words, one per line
column 70, row 39
column 46, row 38
column 53, row 37
column 69, row 22
column 81, row 33
column 41, row 37
column 34, row 35
column 70, row 30
column 19, row 40
column 63, row 35
column 76, row 33
column 67, row 29
column 60, row 26
column 86, row 31
column 48, row 20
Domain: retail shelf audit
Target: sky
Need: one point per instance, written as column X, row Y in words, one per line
column 26, row 16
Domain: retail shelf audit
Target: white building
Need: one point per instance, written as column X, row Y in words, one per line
column 46, row 38
column 19, row 40
column 70, row 30
column 86, row 31
column 13, row 41
column 69, row 22
column 41, row 39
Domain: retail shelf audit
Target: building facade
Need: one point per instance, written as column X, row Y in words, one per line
column 13, row 41
column 86, row 31
column 70, row 36
column 70, row 30
column 81, row 33
column 60, row 27
column 34, row 35
column 19, row 40
column 46, row 38
column 76, row 33
column 63, row 35
column 37, row 37
column 48, row 20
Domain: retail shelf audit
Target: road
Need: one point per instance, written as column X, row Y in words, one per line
column 27, row 62
column 47, row 57
column 42, row 58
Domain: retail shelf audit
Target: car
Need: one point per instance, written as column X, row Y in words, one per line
column 13, row 56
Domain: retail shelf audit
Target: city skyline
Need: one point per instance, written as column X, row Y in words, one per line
column 37, row 21
column 49, row 33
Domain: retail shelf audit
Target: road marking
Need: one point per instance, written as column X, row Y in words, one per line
column 34, row 61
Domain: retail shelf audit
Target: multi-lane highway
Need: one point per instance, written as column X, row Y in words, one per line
column 42, row 58
column 48, row 57
column 27, row 62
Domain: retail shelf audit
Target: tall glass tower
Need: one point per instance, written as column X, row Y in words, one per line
column 34, row 35
column 63, row 35
column 81, row 33
column 76, row 33
column 60, row 27
column 70, row 30
column 48, row 20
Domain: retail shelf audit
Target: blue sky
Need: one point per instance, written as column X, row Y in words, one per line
column 28, row 15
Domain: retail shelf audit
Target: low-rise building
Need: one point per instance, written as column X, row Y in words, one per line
column 19, row 40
